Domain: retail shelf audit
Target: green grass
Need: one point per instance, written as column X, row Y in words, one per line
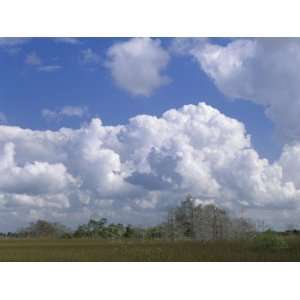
column 97, row 250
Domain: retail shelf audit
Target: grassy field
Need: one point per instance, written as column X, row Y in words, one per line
column 97, row 250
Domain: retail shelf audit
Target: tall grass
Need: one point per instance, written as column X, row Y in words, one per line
column 97, row 250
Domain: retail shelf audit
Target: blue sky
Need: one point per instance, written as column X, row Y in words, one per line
column 25, row 91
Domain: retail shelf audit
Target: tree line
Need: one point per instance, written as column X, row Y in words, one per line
column 188, row 221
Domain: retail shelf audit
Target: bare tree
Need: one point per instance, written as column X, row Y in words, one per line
column 208, row 222
column 42, row 228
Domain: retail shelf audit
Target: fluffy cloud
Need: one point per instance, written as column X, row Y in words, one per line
column 134, row 172
column 263, row 70
column 290, row 161
column 137, row 65
column 32, row 178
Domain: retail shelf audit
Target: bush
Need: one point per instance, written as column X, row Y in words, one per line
column 269, row 241
column 66, row 236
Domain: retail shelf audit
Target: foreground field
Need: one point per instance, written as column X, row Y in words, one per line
column 96, row 250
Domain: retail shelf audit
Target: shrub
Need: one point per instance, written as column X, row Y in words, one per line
column 66, row 235
column 269, row 241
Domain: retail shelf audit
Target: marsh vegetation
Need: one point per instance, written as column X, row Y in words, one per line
column 190, row 232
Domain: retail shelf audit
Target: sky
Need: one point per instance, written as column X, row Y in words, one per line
column 125, row 128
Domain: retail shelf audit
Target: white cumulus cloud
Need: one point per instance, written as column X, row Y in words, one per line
column 33, row 177
column 262, row 70
column 135, row 172
column 137, row 65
